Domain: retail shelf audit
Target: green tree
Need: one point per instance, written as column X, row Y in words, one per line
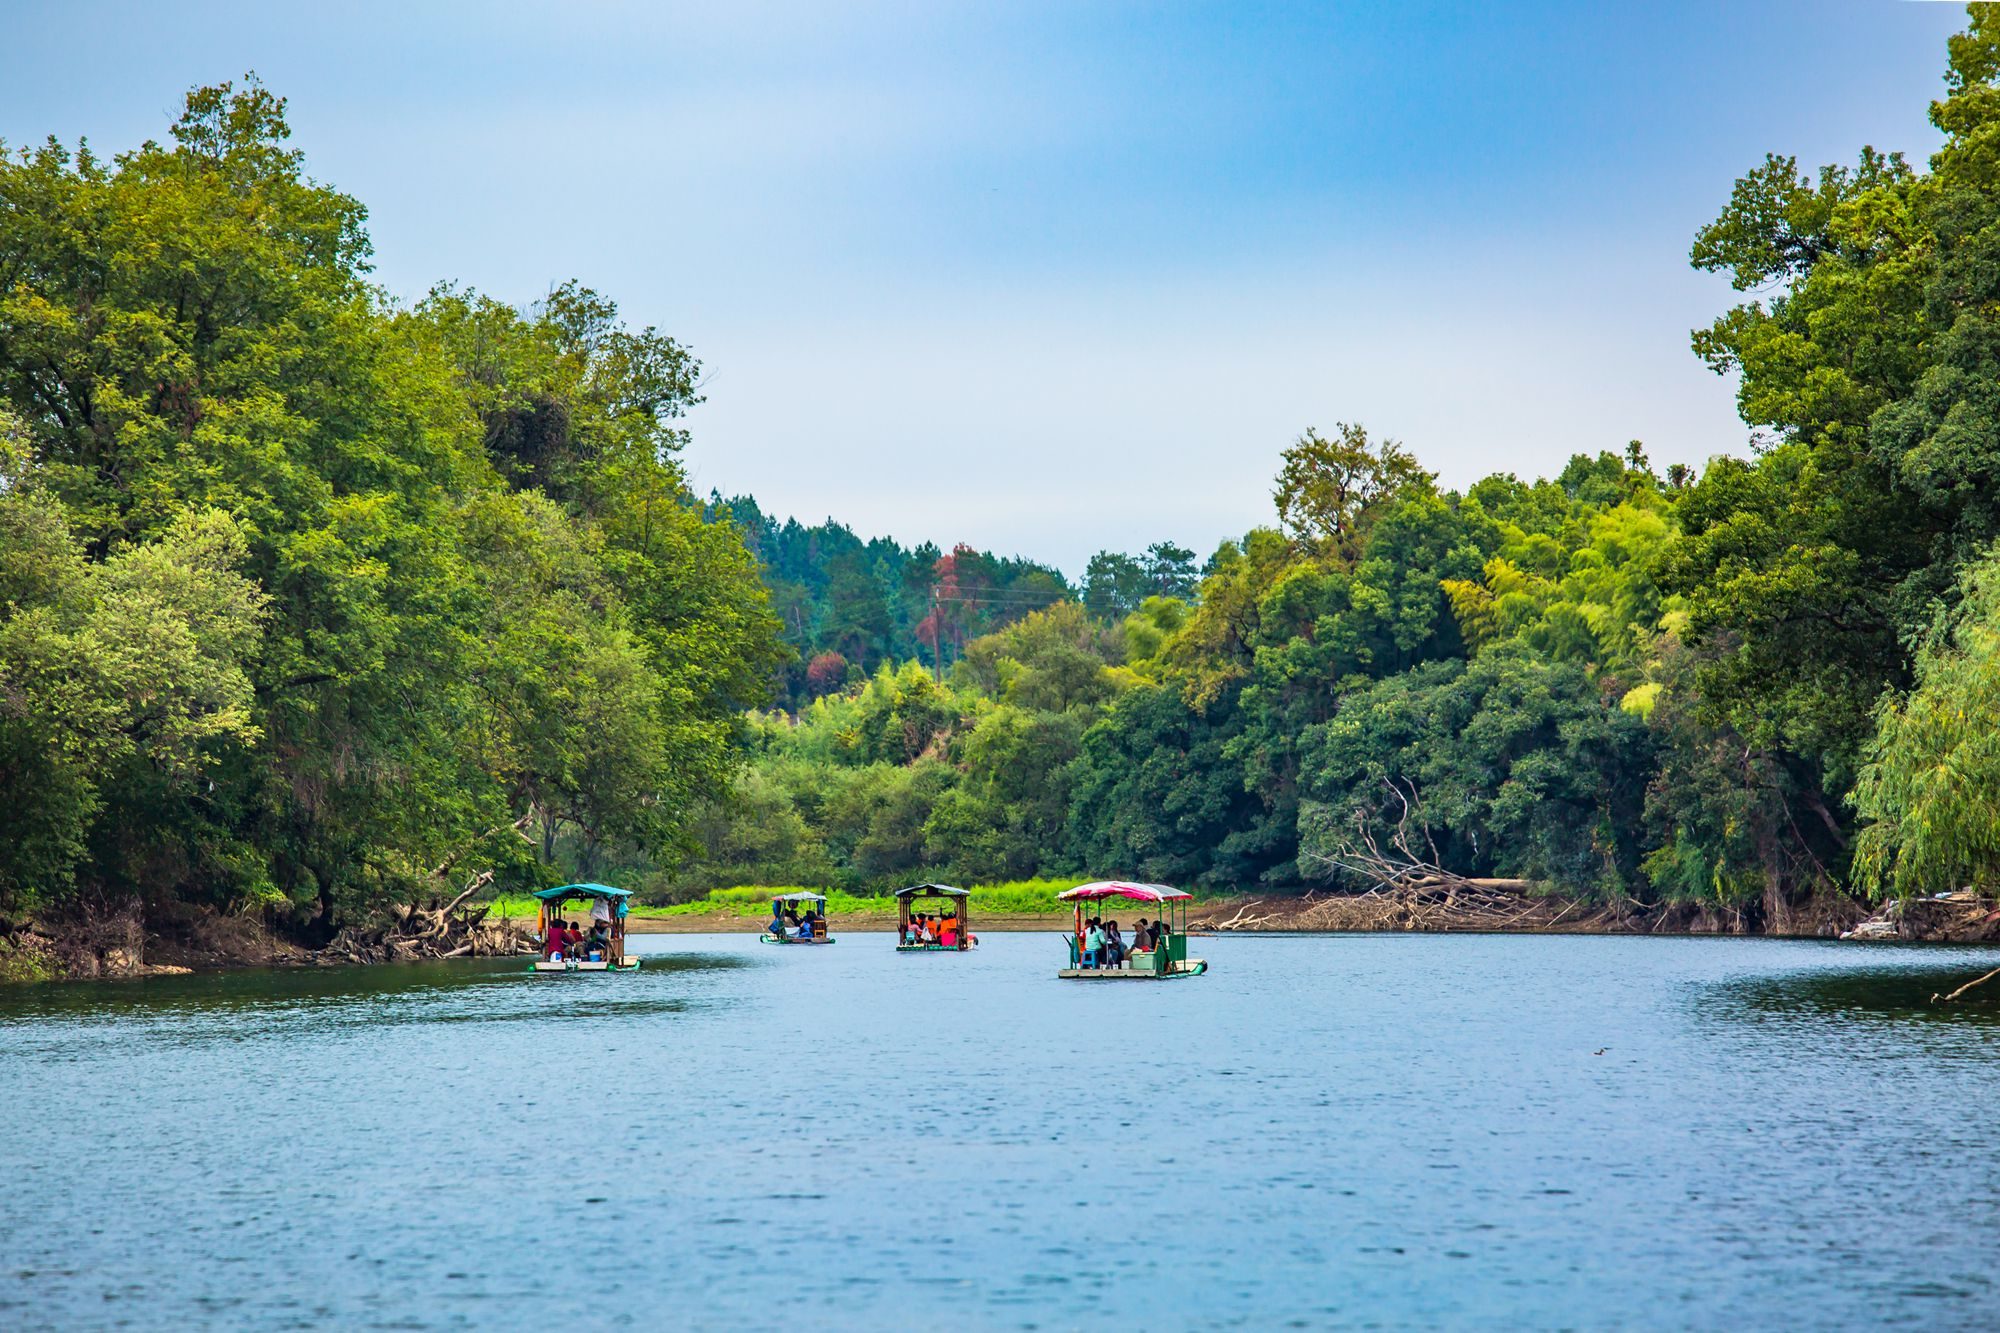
column 206, row 379
column 1328, row 490
column 1113, row 584
column 1510, row 765
column 1930, row 789
column 121, row 681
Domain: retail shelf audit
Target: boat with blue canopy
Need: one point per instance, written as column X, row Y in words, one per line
column 601, row 948
column 1161, row 955
column 797, row 918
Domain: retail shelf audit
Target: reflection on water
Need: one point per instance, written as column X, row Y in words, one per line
column 1899, row 992
column 1390, row 1130
column 283, row 1003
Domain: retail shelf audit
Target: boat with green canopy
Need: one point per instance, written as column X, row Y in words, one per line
column 945, row 931
column 1164, row 955
column 601, row 948
column 791, row 925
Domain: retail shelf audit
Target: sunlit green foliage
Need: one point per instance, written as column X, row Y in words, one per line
column 1931, row 786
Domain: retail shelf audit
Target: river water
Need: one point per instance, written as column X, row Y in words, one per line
column 1379, row 1131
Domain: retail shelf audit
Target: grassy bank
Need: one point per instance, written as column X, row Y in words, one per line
column 750, row 902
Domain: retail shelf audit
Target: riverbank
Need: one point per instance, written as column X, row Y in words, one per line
column 1490, row 906
column 123, row 945
column 1512, row 907
column 727, row 923
column 128, row 944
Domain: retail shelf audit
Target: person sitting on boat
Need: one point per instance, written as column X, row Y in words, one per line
column 805, row 924
column 598, row 941
column 776, row 926
column 572, row 937
column 1142, row 938
column 552, row 942
column 948, row 932
column 1114, row 946
column 1093, row 943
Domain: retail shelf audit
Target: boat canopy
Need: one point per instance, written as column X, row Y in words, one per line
column 553, row 899
column 933, row 891
column 802, row 896
column 604, row 891
column 1118, row 888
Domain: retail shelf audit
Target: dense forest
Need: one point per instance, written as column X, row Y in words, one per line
column 309, row 601
column 1775, row 679
column 313, row 601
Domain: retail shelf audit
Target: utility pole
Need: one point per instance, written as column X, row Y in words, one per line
column 937, row 624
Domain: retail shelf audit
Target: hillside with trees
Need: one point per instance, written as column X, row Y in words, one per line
column 314, row 603
column 1751, row 687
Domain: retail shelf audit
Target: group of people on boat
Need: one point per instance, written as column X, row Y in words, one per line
column 565, row 940
column 793, row 923
column 1104, row 946
column 941, row 931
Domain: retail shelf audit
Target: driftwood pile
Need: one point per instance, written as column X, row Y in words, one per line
column 1410, row 891
column 1963, row 917
column 1432, row 902
column 433, row 930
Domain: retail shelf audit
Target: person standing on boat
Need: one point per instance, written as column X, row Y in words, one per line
column 599, row 936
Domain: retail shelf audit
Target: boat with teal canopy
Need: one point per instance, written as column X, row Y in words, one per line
column 600, row 946
column 1159, row 955
column 797, row 918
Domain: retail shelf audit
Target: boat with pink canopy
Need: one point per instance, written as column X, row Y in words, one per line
column 1165, row 957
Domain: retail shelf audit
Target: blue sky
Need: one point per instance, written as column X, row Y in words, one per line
column 1050, row 278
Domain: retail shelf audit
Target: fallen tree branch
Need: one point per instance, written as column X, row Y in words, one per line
column 1976, row 981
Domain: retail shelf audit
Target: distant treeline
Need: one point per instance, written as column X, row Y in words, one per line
column 848, row 605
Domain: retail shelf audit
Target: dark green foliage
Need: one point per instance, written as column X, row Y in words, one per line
column 1156, row 797
column 307, row 596
column 1511, row 765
